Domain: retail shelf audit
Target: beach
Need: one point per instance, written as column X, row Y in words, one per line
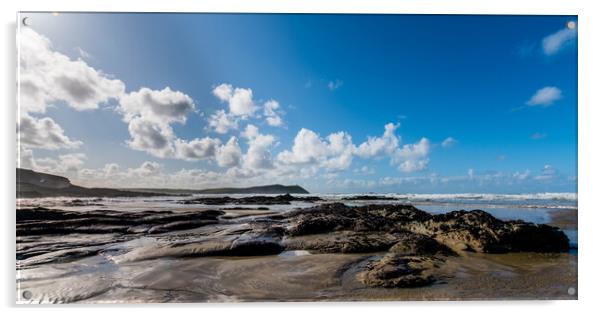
column 299, row 248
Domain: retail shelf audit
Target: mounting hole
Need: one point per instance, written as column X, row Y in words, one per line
column 572, row 291
column 27, row 295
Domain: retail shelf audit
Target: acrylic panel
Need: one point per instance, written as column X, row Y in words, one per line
column 201, row 157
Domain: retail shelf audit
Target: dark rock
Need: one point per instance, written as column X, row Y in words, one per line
column 394, row 270
column 459, row 230
column 180, row 225
column 343, row 242
column 419, row 245
column 478, row 231
column 254, row 200
column 43, row 221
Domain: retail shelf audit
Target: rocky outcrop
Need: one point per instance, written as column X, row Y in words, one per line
column 394, row 270
column 43, row 221
column 283, row 199
column 475, row 231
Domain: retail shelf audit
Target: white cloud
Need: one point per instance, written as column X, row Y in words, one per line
column 554, row 43
column 269, row 110
column 229, row 155
column 196, row 149
column 408, row 158
column 148, row 168
column 42, row 133
column 68, row 164
column 545, row 97
column 413, row 157
column 149, row 114
column 258, row 154
column 223, row 92
column 240, row 100
column 334, row 152
column 378, row 146
column 159, row 106
column 47, row 76
column 222, row 122
column 241, row 106
column 151, row 137
column 449, row 142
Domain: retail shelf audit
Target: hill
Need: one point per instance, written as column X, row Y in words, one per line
column 32, row 184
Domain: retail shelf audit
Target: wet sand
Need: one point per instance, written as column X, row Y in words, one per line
column 289, row 277
column 564, row 219
column 107, row 269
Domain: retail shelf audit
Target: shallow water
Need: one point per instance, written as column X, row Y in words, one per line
column 136, row 270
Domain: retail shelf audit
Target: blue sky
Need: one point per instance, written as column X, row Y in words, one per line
column 502, row 90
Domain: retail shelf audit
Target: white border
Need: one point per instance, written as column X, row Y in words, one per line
column 590, row 30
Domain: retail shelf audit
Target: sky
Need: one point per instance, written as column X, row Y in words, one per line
column 335, row 103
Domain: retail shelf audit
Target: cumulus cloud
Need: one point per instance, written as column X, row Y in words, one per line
column 378, row 146
column 241, row 107
column 223, row 122
column 42, row 133
column 150, row 113
column 258, row 154
column 47, row 76
column 558, row 41
column 334, row 152
column 408, row 158
column 196, row 149
column 413, row 157
column 269, row 110
column 230, row 154
column 240, row 100
column 151, row 137
column 68, row 164
column 159, row 106
column 449, row 142
column 545, row 97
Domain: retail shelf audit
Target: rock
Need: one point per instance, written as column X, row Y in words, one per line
column 394, row 270
column 343, row 242
column 180, row 225
column 419, row 245
column 369, row 198
column 43, row 221
column 254, row 200
column 476, row 230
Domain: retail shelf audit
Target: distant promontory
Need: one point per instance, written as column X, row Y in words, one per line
column 32, row 184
